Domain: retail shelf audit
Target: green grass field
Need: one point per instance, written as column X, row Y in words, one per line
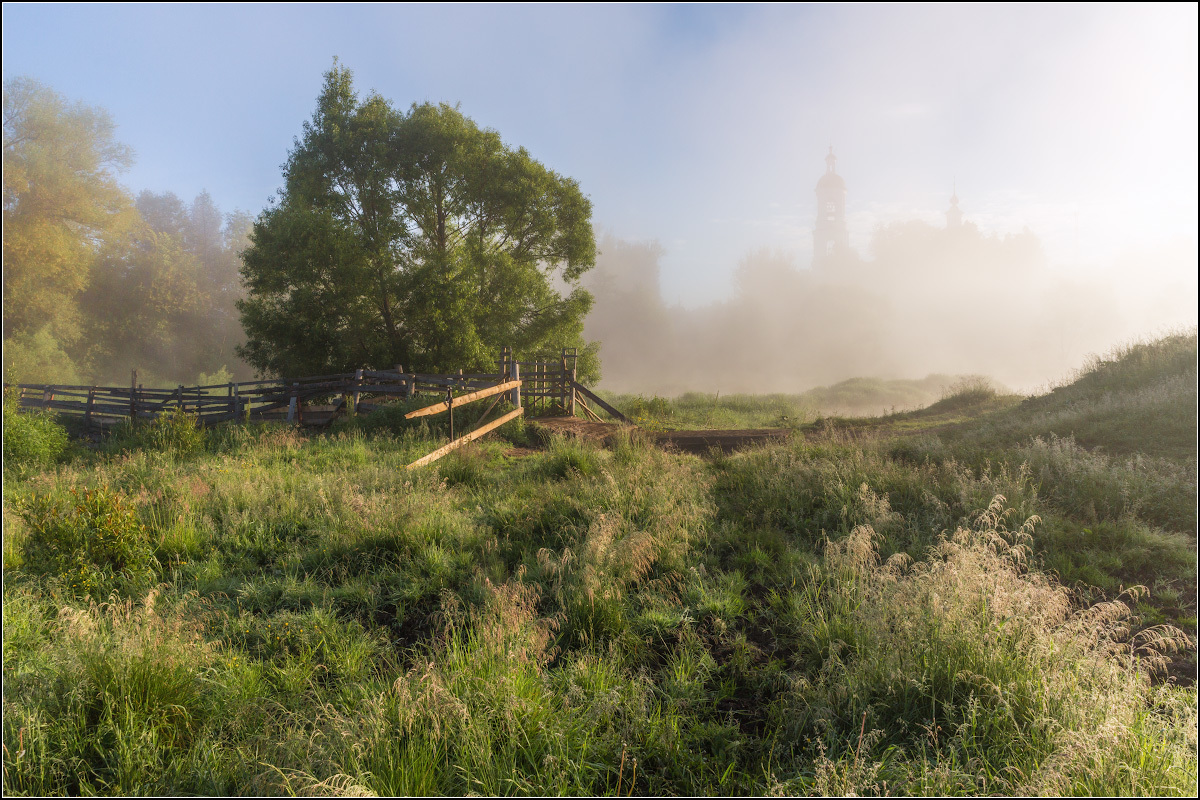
column 989, row 595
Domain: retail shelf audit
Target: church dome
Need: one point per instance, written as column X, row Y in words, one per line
column 831, row 181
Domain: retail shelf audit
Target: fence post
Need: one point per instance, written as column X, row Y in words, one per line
column 409, row 381
column 516, row 376
column 133, row 395
column 571, row 387
column 294, row 404
column 87, row 415
column 357, row 383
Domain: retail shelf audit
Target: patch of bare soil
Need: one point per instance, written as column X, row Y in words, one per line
column 728, row 441
column 519, row 452
column 694, row 441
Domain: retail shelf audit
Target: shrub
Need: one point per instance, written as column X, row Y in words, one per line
column 176, row 432
column 96, row 544
column 31, row 440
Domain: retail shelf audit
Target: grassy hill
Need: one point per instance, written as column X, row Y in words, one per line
column 856, row 396
column 930, row 602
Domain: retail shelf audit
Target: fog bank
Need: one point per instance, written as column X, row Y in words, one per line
column 925, row 300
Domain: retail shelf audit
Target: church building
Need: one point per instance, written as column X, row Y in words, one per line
column 831, row 240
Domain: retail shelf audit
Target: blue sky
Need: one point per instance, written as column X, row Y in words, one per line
column 701, row 127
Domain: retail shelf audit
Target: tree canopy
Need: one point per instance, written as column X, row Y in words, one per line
column 414, row 238
column 162, row 298
column 61, row 198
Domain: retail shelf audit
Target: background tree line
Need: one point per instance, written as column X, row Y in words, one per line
column 97, row 282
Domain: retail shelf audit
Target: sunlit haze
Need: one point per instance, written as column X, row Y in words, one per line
column 699, row 133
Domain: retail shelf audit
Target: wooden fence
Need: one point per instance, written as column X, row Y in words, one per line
column 544, row 386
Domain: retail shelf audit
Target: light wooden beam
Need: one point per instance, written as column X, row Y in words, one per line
column 467, row 437
column 455, row 402
column 596, row 399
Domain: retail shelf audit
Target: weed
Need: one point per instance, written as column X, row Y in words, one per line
column 93, row 545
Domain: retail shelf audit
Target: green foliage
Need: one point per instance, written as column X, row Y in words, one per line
column 859, row 396
column 220, row 376
column 115, row 701
column 964, row 673
column 32, row 440
column 94, row 543
column 465, row 466
column 840, row 614
column 1140, row 399
column 162, row 296
column 968, row 392
column 38, row 358
column 414, row 238
column 90, row 279
column 61, row 198
column 570, row 456
column 175, row 431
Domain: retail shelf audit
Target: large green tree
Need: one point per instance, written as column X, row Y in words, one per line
column 412, row 238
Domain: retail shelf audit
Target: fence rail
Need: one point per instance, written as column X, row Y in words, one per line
column 315, row 400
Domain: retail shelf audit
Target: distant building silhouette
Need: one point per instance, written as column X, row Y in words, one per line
column 954, row 213
column 831, row 240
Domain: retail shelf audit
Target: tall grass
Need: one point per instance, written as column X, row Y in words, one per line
column 1138, row 399
column 835, row 615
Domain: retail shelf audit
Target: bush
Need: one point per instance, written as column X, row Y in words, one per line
column 95, row 544
column 175, row 431
column 31, row 440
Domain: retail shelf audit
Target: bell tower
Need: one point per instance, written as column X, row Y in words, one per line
column 954, row 213
column 830, row 238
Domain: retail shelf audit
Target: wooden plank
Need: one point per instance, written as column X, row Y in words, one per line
column 438, row 408
column 39, row 386
column 467, row 437
column 58, row 394
column 588, row 393
column 585, row 407
column 487, row 410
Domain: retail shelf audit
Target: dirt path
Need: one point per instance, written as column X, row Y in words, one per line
column 693, row 441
